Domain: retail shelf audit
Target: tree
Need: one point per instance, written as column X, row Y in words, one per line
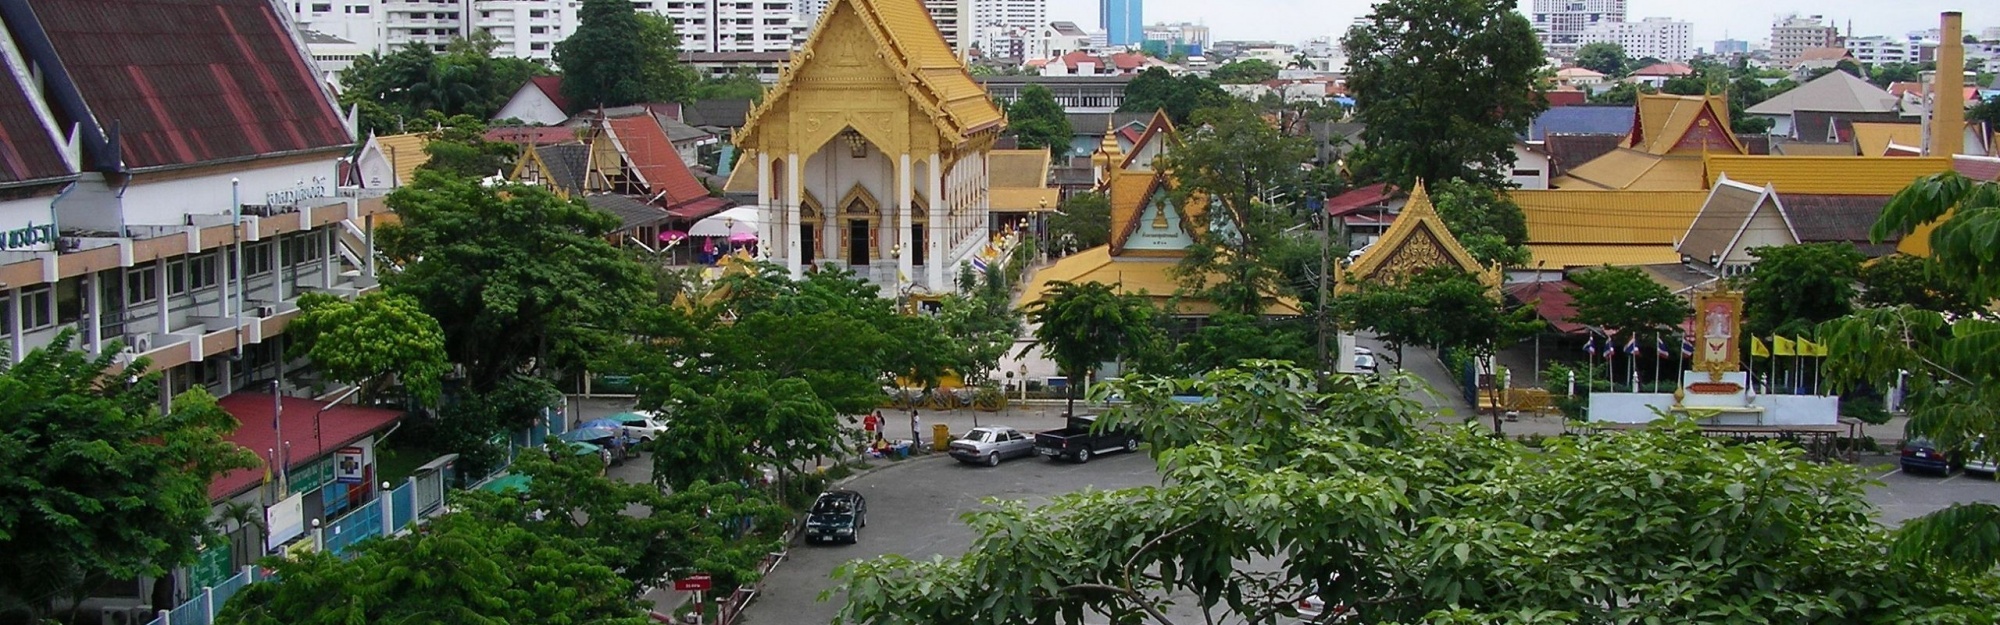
column 1624, row 301
column 1244, row 72
column 1227, row 339
column 395, row 90
column 1987, row 110
column 1444, row 87
column 1038, row 122
column 519, row 279
column 1440, row 308
column 619, row 56
column 1275, row 490
column 1915, row 281
column 1793, row 287
column 748, row 421
column 1083, row 222
column 1685, row 85
column 458, row 146
column 375, row 340
column 1157, row 90
column 1081, row 326
column 1237, row 164
column 1603, row 57
column 1744, row 93
column 736, row 86
column 101, row 484
column 1885, row 74
column 1621, row 93
column 1489, row 224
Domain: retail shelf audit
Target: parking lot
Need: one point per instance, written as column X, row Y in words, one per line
column 1903, row 496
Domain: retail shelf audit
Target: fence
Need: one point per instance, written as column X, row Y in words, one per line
column 363, row 522
column 202, row 608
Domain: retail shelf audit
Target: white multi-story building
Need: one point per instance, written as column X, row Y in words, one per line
column 430, row 23
column 1881, row 49
column 953, row 18
column 1792, row 35
column 1002, row 28
column 528, row 29
column 1662, row 38
column 1560, row 23
column 1057, row 39
column 349, row 20
column 331, row 54
column 735, row 25
column 1183, row 34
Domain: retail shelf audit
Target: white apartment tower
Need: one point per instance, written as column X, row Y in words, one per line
column 954, row 20
column 1880, row 50
column 1658, row 37
column 1561, row 23
column 735, row 25
column 525, row 28
column 1792, row 35
column 1002, row 27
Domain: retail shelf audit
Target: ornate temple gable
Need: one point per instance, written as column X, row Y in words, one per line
column 1666, row 123
column 1416, row 241
column 1160, row 228
column 1707, row 134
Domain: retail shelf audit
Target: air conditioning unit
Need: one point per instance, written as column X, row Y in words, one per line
column 267, row 311
column 126, row 615
column 141, row 343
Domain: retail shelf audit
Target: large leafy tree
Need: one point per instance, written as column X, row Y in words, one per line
column 395, row 90
column 1793, row 287
column 1082, row 325
column 1625, row 302
column 97, row 483
column 1157, row 90
column 1239, row 165
column 1987, row 110
column 1915, row 281
column 1488, row 223
column 1603, row 57
column 1037, row 121
column 1227, row 339
column 1083, row 222
column 1246, row 71
column 376, row 340
column 1440, row 308
column 1444, row 87
column 1274, row 490
column 457, row 145
column 620, row 56
column 520, row 279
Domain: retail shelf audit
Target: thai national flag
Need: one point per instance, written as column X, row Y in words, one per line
column 1660, row 347
column 1590, row 346
column 1632, row 346
column 1687, row 348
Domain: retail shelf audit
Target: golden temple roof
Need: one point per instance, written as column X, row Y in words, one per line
column 1417, row 240
column 1827, row 175
column 1153, row 278
column 1626, row 169
column 1017, row 168
column 1607, row 217
column 405, row 153
column 1160, row 128
column 1663, row 121
column 1560, row 256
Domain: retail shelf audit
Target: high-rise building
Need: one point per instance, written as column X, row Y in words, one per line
column 734, row 25
column 1731, row 47
column 525, row 28
column 348, row 20
column 1658, row 37
column 1002, row 28
column 1560, row 23
column 1183, row 37
column 1880, row 49
column 1792, row 35
column 1123, row 21
column 953, row 18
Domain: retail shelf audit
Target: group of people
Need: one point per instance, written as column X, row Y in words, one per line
column 875, row 425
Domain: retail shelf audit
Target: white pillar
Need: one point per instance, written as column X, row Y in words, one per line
column 905, row 188
column 786, row 228
column 832, row 233
column 764, row 199
column 934, row 256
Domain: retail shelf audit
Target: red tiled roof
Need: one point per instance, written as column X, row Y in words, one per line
column 1552, row 303
column 551, row 86
column 27, row 150
column 1358, row 199
column 192, row 82
column 531, row 135
column 1127, row 60
column 338, row 426
column 1665, row 69
column 646, row 146
column 1566, row 97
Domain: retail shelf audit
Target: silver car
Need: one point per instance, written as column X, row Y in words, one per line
column 991, row 444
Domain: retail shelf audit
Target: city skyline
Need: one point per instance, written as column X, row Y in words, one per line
column 1306, row 19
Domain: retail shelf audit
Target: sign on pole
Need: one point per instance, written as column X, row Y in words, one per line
column 695, row 582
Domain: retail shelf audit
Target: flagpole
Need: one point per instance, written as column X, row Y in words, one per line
column 1771, row 381
column 1657, row 357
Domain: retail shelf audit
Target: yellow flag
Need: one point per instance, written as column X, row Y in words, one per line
column 1757, row 348
column 1819, row 349
column 1809, row 348
column 1783, row 346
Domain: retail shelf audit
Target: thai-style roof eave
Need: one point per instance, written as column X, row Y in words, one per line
column 1417, row 213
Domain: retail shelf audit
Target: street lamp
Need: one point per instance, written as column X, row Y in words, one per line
column 1024, row 381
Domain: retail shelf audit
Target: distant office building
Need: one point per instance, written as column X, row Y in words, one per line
column 1731, row 47
column 1560, row 23
column 1004, row 28
column 1880, row 49
column 1182, row 38
column 1657, row 37
column 733, row 26
column 1793, row 34
column 1123, row 21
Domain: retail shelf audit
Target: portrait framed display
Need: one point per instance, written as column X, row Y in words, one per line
column 1718, row 323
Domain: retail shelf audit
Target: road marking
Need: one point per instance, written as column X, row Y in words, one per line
column 1886, row 475
column 1950, row 477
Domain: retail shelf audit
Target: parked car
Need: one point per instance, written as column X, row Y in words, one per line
column 837, row 515
column 1982, row 459
column 1311, row 609
column 1364, row 363
column 1923, row 455
column 990, row 444
column 641, row 426
column 1078, row 442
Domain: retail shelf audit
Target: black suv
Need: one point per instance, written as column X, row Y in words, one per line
column 837, row 516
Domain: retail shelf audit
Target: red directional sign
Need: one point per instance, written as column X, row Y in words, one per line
column 697, row 581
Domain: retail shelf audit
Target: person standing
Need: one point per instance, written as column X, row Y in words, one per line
column 915, row 423
column 872, row 423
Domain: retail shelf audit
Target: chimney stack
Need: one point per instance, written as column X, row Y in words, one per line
column 1948, row 88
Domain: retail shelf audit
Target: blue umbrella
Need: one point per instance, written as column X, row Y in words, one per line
column 587, row 434
column 600, row 423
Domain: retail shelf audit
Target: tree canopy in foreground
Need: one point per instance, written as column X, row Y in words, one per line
column 1273, row 492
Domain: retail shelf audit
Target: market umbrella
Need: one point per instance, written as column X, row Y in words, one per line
column 600, row 423
column 743, row 237
column 587, row 434
column 726, row 223
column 669, row 236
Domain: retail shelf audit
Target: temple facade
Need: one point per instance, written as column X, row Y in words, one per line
column 870, row 153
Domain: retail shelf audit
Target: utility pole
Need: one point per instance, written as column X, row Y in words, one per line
column 1324, row 220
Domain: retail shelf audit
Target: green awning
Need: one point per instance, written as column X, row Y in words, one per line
column 505, row 484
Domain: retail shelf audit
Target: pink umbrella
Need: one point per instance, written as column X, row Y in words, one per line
column 669, row 236
column 743, row 237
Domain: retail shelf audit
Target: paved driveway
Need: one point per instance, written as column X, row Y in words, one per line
column 1903, row 496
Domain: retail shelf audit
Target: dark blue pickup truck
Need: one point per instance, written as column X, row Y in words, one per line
column 1079, row 442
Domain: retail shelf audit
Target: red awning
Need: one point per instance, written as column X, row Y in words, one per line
column 338, row 427
column 1551, row 303
column 699, row 208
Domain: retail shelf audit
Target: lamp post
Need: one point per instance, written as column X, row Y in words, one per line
column 1024, row 381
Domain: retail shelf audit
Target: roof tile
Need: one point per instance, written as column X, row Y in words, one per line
column 647, row 149
column 27, row 150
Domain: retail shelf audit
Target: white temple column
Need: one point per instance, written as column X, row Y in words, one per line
column 934, row 252
column 905, row 188
column 765, row 202
column 787, row 228
column 832, row 233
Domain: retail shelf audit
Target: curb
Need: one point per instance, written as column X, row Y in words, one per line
column 933, row 456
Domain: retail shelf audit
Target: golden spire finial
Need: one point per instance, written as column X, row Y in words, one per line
column 1418, row 198
column 1110, row 143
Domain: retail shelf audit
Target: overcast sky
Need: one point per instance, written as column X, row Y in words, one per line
column 1294, row 21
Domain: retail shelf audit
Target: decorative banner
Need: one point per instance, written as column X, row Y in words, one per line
column 348, row 464
column 1718, row 317
column 286, row 520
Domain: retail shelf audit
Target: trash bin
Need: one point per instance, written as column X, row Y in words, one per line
column 940, row 437
column 902, row 449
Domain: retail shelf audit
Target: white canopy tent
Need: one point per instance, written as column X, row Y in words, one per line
column 735, row 221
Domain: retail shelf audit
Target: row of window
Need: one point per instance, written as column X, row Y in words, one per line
column 47, row 305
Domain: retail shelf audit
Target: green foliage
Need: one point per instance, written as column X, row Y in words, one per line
column 1439, row 308
column 746, row 421
column 736, row 86
column 982, row 321
column 619, row 56
column 1917, row 281
column 1083, row 222
column 1329, row 491
column 1793, row 287
column 1624, row 300
column 1603, row 57
column 1082, row 325
column 1225, row 339
column 1157, row 90
column 1240, row 165
column 1444, row 87
column 519, row 278
column 1621, row 93
column 1244, row 72
column 100, row 484
column 468, row 420
column 1885, row 74
column 1038, row 122
column 459, row 147
column 394, row 91
column 370, row 340
column 1488, row 223
column 1987, row 110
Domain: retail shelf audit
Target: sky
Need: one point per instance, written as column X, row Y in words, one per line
column 1294, row 21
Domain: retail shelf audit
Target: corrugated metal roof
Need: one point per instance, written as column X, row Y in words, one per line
column 1566, row 150
column 1627, row 169
column 1617, row 217
column 192, row 82
column 652, row 155
column 632, row 213
column 1821, row 218
column 1836, row 91
column 1567, row 255
column 1799, row 148
column 27, row 150
column 1552, row 303
column 1017, row 168
column 531, row 135
column 567, row 164
column 1977, row 167
column 1833, row 175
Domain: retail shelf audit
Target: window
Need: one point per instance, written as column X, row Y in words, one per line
column 538, row 46
column 359, row 9
column 322, row 7
column 257, row 259
column 69, row 300
column 142, row 284
column 1527, row 173
column 201, row 272
column 177, row 277
column 38, row 308
column 537, row 30
column 6, row 315
column 538, row 13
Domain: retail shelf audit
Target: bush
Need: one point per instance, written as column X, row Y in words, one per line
column 1868, row 408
